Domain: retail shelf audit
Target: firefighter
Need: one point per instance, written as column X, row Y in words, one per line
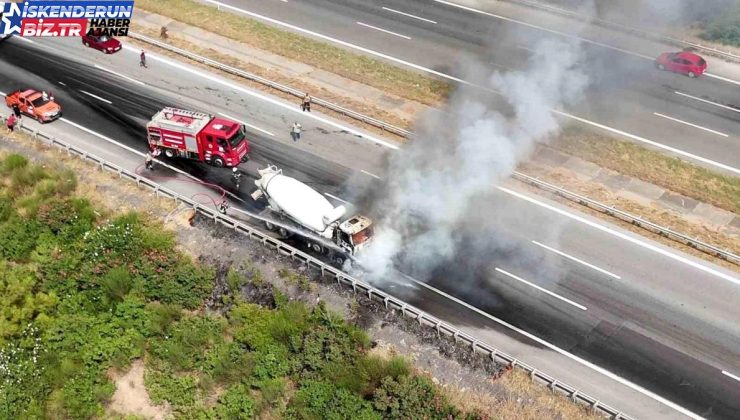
column 142, row 59
column 17, row 111
column 163, row 33
column 149, row 162
column 295, row 132
column 222, row 207
column 236, row 177
column 306, row 104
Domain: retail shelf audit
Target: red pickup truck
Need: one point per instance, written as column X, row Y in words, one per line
column 35, row 104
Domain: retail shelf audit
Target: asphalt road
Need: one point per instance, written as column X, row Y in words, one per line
column 626, row 90
column 653, row 316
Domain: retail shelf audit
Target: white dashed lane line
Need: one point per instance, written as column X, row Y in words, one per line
column 706, row 101
column 95, row 96
column 541, row 289
column 572, row 258
column 709, row 130
column 409, row 15
column 383, row 30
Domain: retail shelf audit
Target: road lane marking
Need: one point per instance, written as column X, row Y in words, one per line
column 558, row 350
column 650, row 142
column 120, row 75
column 383, row 30
column 369, row 174
column 95, row 96
column 265, row 98
column 706, row 101
column 22, row 38
column 409, row 15
column 563, row 254
column 735, row 377
column 541, row 289
column 624, row 236
column 690, row 124
column 724, row 79
column 552, row 31
column 337, row 198
column 62, row 83
column 246, row 124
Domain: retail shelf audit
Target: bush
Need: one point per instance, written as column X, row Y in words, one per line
column 411, row 397
column 180, row 391
column 228, row 363
column 187, row 341
column 116, row 284
column 18, row 238
column 725, row 29
column 235, row 404
column 323, row 400
column 13, row 162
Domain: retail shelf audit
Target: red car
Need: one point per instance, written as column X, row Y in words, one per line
column 102, row 43
column 683, row 62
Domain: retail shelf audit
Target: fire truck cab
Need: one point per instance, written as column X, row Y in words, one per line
column 198, row 136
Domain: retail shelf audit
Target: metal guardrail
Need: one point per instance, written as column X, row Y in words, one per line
column 424, row 319
column 630, row 218
column 681, row 43
column 274, row 85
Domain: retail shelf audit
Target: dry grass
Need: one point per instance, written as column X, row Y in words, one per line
column 654, row 167
column 520, row 399
column 372, row 72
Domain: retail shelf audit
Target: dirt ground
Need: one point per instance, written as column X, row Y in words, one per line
column 131, row 397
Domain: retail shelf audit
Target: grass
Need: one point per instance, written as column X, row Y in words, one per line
column 373, row 72
column 654, row 167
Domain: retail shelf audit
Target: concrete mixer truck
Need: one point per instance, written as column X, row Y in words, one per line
column 326, row 229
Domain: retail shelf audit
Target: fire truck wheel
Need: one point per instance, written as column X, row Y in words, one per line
column 218, row 162
column 285, row 233
column 169, row 153
column 315, row 247
column 269, row 226
column 339, row 260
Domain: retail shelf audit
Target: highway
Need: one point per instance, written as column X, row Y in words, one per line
column 581, row 291
column 698, row 119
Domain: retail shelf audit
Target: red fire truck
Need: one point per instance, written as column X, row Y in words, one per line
column 198, row 136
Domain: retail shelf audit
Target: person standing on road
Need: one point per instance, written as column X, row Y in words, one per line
column 17, row 111
column 142, row 59
column 306, row 104
column 295, row 132
column 149, row 162
column 11, row 122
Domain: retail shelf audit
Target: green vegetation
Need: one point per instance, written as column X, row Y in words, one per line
column 82, row 293
column 360, row 68
column 725, row 28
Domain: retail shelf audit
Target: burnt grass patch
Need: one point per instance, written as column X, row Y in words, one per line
column 364, row 312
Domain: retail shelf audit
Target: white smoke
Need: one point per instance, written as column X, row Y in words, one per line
column 460, row 154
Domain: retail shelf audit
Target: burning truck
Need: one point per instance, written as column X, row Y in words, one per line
column 303, row 211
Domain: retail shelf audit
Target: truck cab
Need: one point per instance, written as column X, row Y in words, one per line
column 224, row 143
column 354, row 233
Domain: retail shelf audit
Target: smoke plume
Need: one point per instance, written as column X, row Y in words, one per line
column 459, row 154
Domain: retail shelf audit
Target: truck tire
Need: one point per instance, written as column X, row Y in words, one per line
column 218, row 162
column 316, row 247
column 284, row 233
column 169, row 153
column 269, row 225
column 339, row 260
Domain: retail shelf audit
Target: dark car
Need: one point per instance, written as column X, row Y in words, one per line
column 102, row 43
column 683, row 62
